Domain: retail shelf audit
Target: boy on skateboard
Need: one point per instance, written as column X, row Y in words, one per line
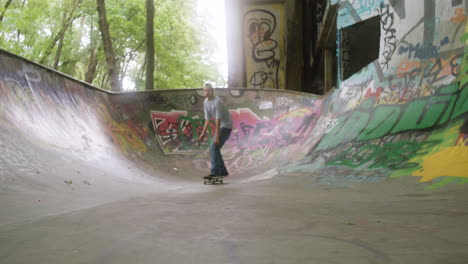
column 215, row 109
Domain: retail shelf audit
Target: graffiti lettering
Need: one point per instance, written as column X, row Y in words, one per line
column 390, row 40
column 392, row 155
column 263, row 48
column 448, row 104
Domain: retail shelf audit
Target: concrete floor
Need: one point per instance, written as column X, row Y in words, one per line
column 280, row 220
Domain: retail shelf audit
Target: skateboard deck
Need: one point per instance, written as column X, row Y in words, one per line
column 214, row 180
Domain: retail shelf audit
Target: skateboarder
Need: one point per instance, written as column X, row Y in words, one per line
column 215, row 109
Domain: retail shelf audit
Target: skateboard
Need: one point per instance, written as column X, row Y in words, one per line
column 214, row 180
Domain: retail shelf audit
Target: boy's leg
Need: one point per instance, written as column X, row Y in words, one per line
column 225, row 133
column 217, row 163
column 216, row 159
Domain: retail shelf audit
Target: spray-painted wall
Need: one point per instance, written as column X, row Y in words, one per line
column 159, row 128
column 264, row 41
column 406, row 111
column 264, row 34
column 403, row 115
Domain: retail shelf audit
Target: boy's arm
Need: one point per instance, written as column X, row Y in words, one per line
column 205, row 127
column 218, row 125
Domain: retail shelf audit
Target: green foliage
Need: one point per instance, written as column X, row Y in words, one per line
column 182, row 46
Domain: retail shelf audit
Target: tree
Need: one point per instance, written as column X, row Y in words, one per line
column 108, row 49
column 7, row 4
column 109, row 45
column 149, row 83
column 68, row 18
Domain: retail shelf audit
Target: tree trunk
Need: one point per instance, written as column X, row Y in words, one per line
column 5, row 9
column 59, row 48
column 149, row 44
column 92, row 65
column 93, row 59
column 65, row 25
column 108, row 49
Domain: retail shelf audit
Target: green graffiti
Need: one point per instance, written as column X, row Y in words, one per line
column 423, row 113
column 359, row 158
column 351, row 128
column 382, row 122
column 429, row 112
column 446, row 181
column 188, row 129
column 393, row 155
column 463, row 77
column 461, row 106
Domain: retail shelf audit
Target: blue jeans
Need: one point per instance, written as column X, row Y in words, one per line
column 217, row 162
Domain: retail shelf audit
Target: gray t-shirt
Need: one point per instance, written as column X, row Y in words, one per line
column 215, row 109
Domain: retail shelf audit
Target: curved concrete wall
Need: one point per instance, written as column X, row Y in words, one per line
column 404, row 112
column 270, row 127
column 334, row 139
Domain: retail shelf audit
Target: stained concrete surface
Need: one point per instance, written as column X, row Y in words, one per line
column 276, row 221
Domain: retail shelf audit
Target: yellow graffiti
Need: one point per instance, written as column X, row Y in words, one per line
column 301, row 112
column 121, row 133
column 450, row 161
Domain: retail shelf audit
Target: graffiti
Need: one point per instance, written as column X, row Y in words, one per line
column 252, row 142
column 462, row 140
column 459, row 16
column 412, row 80
column 183, row 100
column 401, row 96
column 189, row 130
column 325, row 125
column 419, row 51
column 284, row 102
column 352, row 93
column 450, row 161
column 235, row 162
column 435, row 68
column 447, row 104
column 236, row 92
column 251, row 131
column 120, row 133
column 463, row 77
column 390, row 41
column 446, row 159
column 366, row 7
column 178, row 133
column 263, row 35
column 165, row 125
column 391, row 155
column 265, row 105
column 158, row 99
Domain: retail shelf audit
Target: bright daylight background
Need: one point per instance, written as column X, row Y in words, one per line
column 214, row 10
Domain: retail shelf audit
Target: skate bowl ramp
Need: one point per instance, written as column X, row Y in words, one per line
column 65, row 145
column 274, row 131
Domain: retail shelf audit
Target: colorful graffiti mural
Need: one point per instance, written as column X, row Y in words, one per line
column 399, row 116
column 404, row 115
column 178, row 134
